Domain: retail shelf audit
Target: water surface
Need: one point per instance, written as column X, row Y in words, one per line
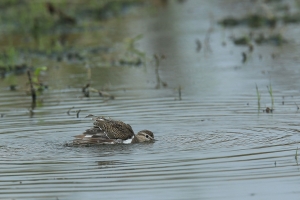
column 214, row 143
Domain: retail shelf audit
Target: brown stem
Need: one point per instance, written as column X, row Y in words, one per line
column 33, row 94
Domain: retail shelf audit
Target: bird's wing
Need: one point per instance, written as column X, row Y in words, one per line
column 114, row 129
column 92, row 139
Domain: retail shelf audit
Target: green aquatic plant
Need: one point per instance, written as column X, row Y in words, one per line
column 271, row 94
column 258, row 97
column 36, row 85
column 135, row 56
column 36, row 80
column 37, row 73
column 8, row 57
column 11, row 55
column 131, row 45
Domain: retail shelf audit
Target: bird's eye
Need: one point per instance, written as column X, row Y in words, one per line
column 147, row 136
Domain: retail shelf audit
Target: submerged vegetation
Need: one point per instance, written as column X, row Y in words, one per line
column 131, row 55
column 35, row 33
column 49, row 29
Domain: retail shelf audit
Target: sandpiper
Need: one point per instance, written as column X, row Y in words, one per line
column 108, row 131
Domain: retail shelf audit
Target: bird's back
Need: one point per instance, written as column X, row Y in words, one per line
column 105, row 131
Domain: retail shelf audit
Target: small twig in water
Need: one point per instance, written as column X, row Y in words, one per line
column 156, row 60
column 207, row 37
column 199, row 45
column 297, row 106
column 33, row 94
column 159, row 82
column 85, row 90
column 164, row 84
column 105, row 94
column 157, row 71
column 296, row 156
column 179, row 93
column 268, row 110
column 77, row 114
column 68, row 112
column 31, row 111
column 244, row 57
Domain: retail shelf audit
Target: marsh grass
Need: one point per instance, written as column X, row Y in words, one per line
column 36, row 79
column 131, row 49
column 258, row 97
column 8, row 60
column 157, row 72
column 8, row 57
column 12, row 55
column 271, row 94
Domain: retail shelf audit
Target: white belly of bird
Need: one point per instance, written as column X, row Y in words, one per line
column 128, row 141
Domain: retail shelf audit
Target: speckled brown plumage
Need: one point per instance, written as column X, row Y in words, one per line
column 109, row 131
column 113, row 129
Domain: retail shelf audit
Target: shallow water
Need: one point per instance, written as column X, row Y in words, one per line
column 212, row 144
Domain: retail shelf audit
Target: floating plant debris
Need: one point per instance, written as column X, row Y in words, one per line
column 242, row 40
column 276, row 39
column 252, row 21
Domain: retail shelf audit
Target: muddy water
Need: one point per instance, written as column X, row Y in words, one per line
column 214, row 143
